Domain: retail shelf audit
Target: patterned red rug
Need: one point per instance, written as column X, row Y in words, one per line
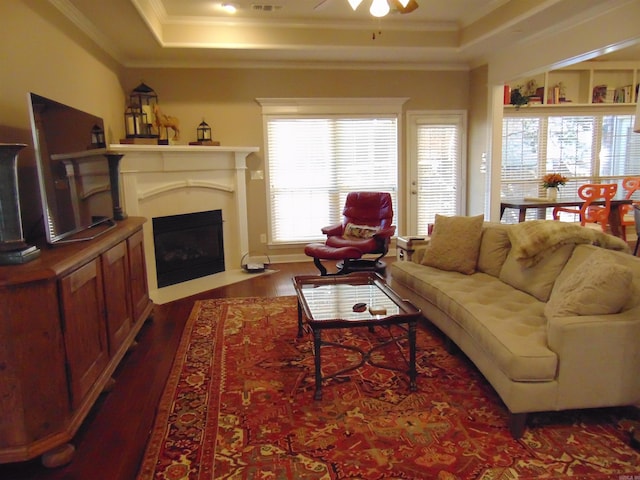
column 239, row 404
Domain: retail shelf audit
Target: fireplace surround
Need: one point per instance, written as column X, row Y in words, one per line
column 165, row 180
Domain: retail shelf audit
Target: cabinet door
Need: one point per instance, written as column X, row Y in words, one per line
column 85, row 335
column 138, row 271
column 115, row 272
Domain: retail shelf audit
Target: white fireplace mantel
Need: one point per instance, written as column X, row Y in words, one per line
column 161, row 180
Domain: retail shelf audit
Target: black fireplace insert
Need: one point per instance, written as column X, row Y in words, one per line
column 188, row 246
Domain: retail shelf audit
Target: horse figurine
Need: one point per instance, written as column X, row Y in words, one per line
column 166, row 122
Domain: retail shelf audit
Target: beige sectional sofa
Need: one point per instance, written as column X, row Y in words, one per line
column 550, row 320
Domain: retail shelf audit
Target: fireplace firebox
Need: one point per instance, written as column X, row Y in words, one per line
column 188, row 246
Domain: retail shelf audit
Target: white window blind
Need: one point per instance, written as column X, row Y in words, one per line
column 587, row 147
column 314, row 162
column 438, row 171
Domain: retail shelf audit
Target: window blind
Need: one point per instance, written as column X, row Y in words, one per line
column 438, row 154
column 314, row 162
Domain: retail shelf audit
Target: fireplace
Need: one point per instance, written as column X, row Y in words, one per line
column 188, row 246
column 163, row 180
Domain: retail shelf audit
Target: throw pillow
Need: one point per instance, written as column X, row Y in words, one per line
column 455, row 243
column 598, row 286
column 359, row 231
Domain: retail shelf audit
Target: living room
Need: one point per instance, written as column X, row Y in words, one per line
column 44, row 52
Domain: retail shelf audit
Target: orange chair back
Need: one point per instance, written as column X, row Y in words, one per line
column 590, row 193
column 630, row 185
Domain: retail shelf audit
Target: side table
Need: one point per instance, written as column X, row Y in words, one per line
column 405, row 246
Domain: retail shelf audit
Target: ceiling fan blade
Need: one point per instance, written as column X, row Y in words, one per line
column 411, row 6
column 321, row 4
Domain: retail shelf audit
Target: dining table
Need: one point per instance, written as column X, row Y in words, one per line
column 541, row 205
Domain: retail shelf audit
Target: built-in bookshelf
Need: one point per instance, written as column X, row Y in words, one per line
column 586, row 83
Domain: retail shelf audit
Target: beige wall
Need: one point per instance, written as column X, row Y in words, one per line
column 226, row 100
column 43, row 53
column 37, row 57
column 478, row 141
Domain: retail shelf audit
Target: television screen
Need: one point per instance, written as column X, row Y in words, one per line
column 72, row 169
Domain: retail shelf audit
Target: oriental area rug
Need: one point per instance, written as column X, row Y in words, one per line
column 238, row 404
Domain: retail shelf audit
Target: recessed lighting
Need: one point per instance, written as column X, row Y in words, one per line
column 229, row 7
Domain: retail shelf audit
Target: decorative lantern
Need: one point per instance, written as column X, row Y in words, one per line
column 204, row 132
column 97, row 137
column 139, row 115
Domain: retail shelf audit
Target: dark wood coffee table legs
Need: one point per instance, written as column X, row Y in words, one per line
column 365, row 357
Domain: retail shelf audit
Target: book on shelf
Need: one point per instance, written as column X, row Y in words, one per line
column 599, row 94
column 554, row 95
column 623, row 94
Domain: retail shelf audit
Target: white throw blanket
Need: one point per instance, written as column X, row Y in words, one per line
column 532, row 240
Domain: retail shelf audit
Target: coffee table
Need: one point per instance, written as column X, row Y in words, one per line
column 327, row 302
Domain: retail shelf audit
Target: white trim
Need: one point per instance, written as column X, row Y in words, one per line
column 332, row 106
column 415, row 117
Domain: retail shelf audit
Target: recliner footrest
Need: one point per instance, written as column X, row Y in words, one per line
column 320, row 251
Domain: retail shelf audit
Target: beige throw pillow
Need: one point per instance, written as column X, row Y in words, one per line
column 455, row 243
column 598, row 286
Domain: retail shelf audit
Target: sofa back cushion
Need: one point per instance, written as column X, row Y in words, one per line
column 538, row 279
column 494, row 248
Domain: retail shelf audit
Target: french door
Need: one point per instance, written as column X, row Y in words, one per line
column 436, row 167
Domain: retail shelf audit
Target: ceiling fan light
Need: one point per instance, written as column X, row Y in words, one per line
column 379, row 8
column 229, row 7
column 355, row 3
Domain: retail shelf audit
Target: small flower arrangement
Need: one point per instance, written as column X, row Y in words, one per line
column 553, row 180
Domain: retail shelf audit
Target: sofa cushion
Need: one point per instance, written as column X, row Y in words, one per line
column 598, row 286
column 455, row 243
column 538, row 279
column 494, row 248
column 505, row 323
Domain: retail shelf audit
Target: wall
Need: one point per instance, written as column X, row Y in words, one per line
column 478, row 141
column 225, row 98
column 49, row 58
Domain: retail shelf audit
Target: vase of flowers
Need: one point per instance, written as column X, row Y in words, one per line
column 552, row 181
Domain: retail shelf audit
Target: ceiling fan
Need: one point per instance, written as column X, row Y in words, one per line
column 379, row 8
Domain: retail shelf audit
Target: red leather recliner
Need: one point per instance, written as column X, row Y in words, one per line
column 366, row 229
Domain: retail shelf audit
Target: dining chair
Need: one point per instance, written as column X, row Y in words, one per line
column 592, row 215
column 627, row 216
column 636, row 214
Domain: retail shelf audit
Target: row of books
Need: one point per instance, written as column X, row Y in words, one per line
column 625, row 94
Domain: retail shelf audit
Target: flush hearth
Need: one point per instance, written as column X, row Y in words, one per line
column 188, row 246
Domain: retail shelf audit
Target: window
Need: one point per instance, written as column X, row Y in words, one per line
column 585, row 147
column 314, row 160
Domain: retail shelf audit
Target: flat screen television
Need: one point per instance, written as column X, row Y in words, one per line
column 73, row 171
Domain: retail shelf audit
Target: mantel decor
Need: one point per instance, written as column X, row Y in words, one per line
column 13, row 249
column 203, row 135
column 139, row 115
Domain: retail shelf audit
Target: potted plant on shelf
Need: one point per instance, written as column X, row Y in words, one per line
column 552, row 181
column 517, row 98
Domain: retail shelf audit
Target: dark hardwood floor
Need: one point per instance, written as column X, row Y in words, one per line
column 111, row 441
